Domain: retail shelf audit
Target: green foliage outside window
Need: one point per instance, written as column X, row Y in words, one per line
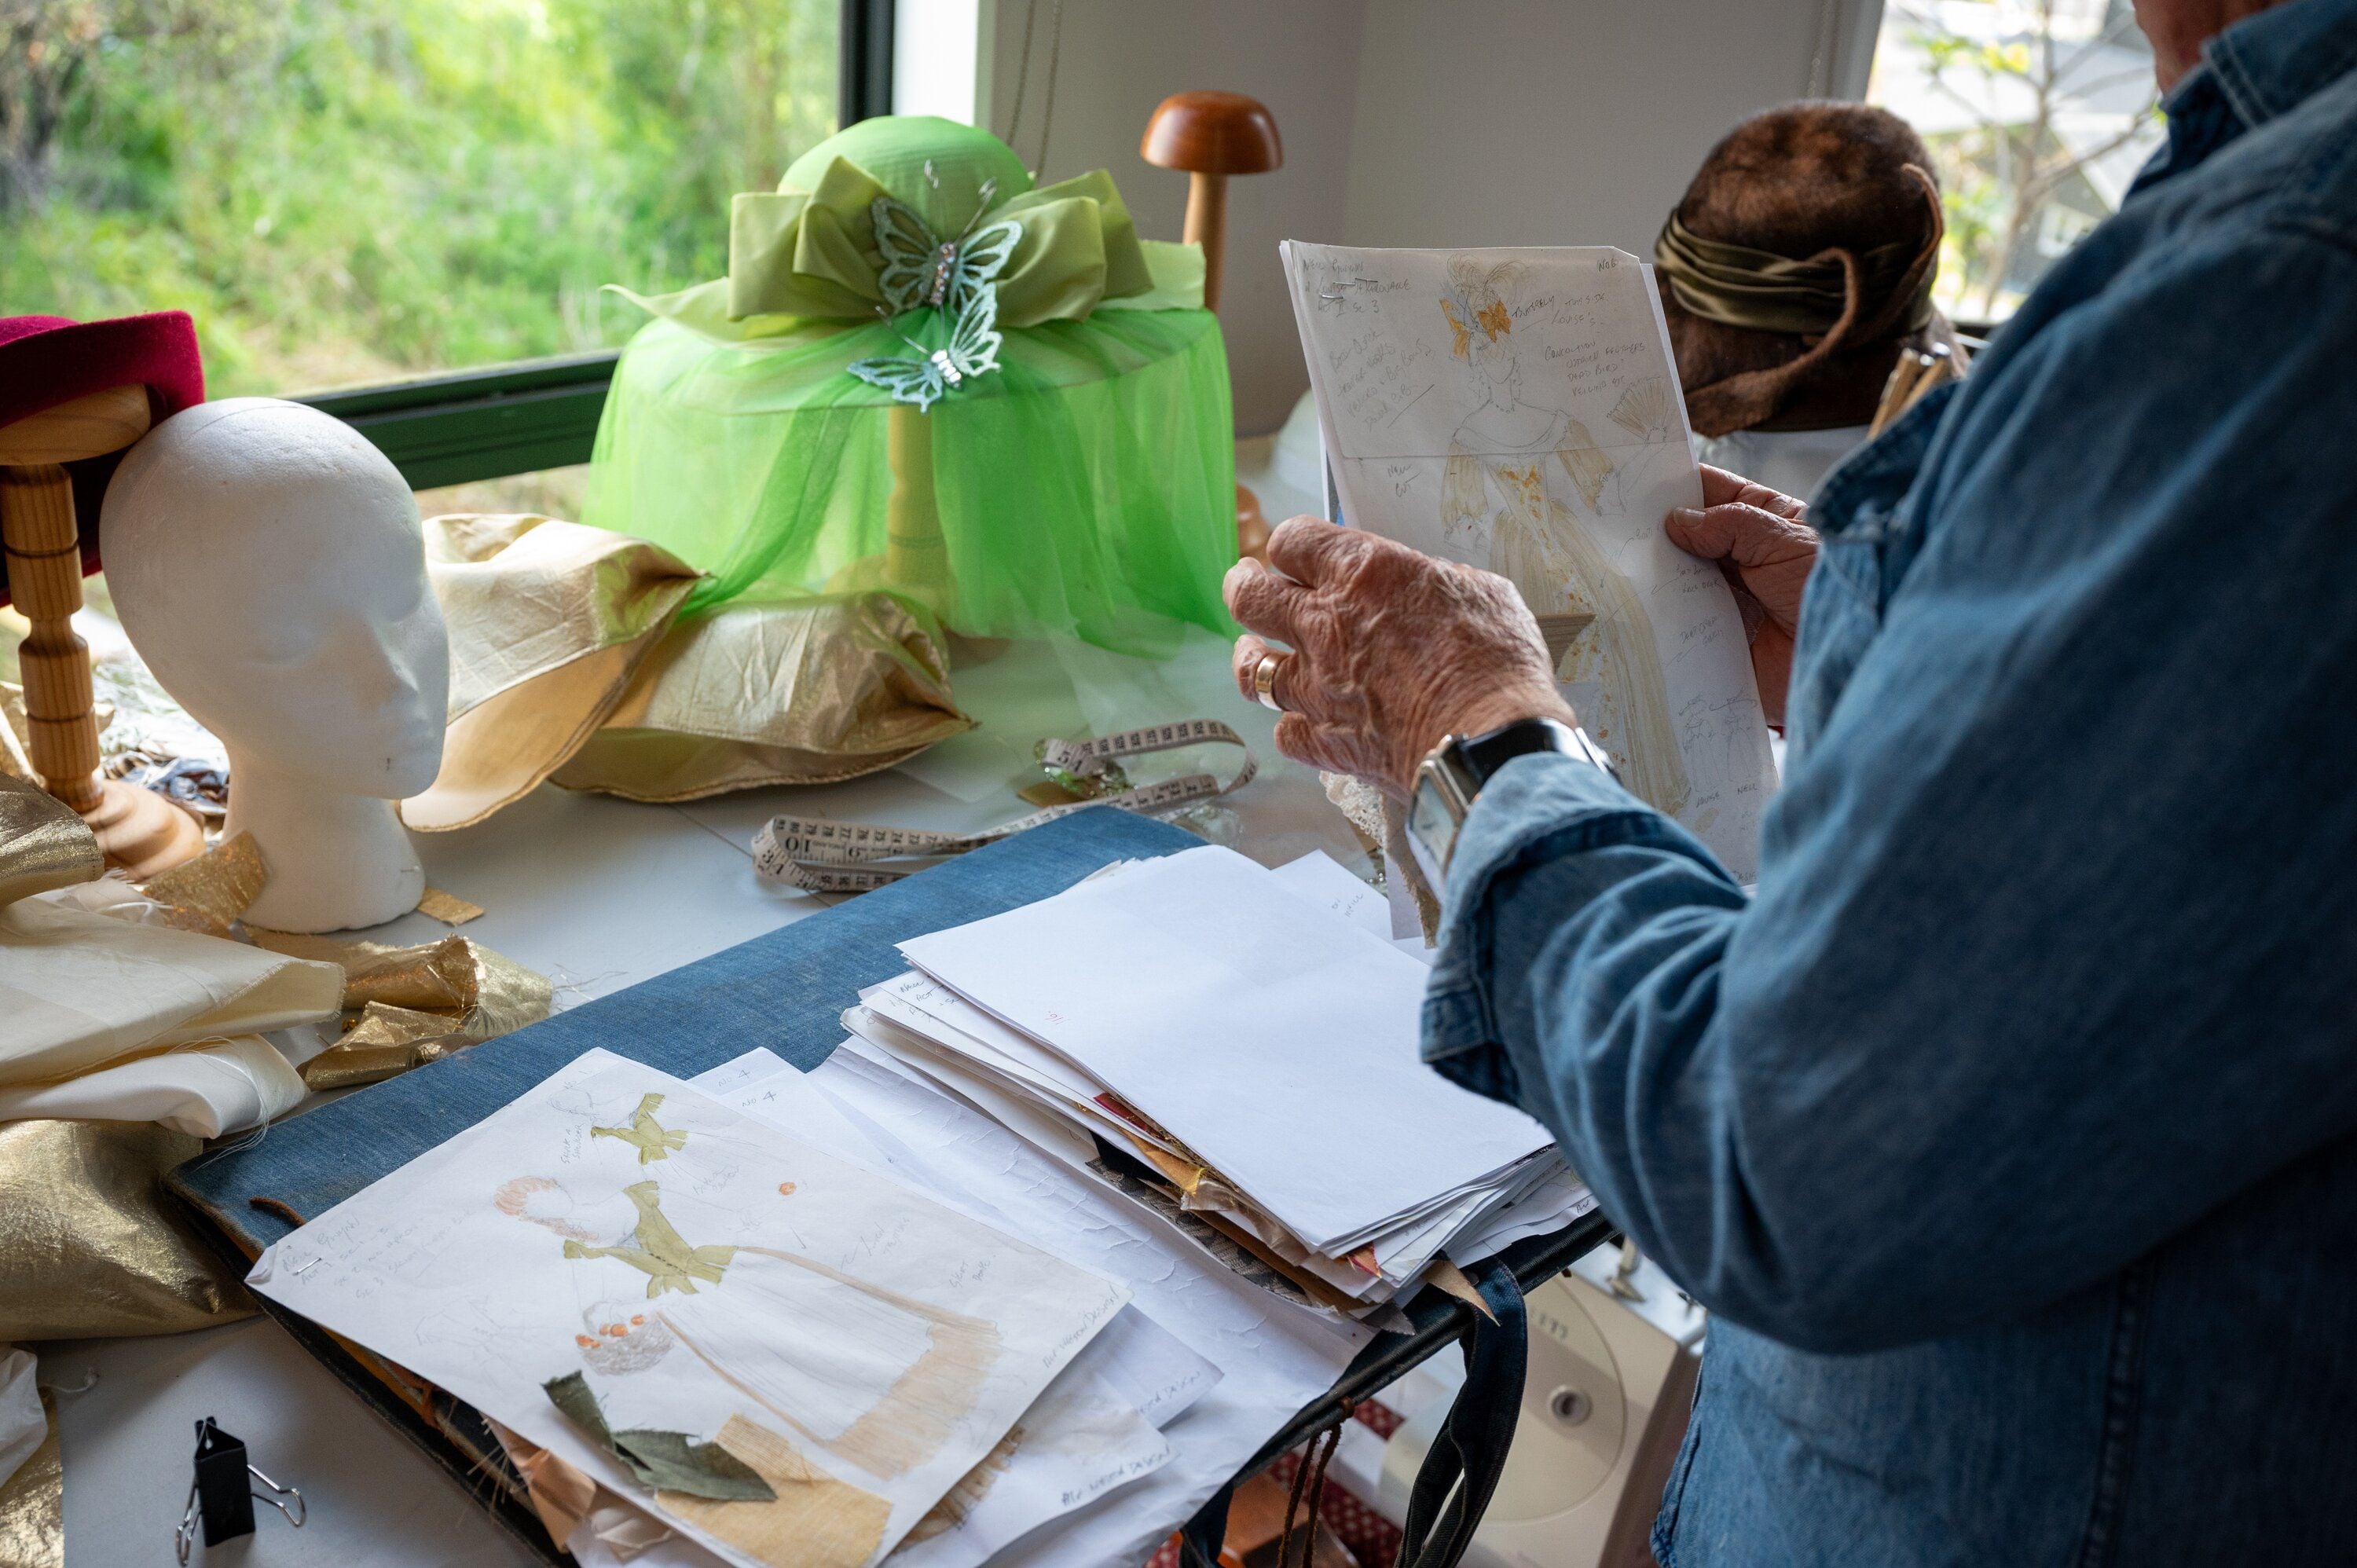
column 347, row 190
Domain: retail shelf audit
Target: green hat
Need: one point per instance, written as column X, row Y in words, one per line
column 926, row 374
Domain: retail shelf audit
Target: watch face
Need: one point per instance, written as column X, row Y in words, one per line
column 1431, row 830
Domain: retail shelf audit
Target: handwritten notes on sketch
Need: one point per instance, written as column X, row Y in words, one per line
column 696, row 1277
column 1519, row 411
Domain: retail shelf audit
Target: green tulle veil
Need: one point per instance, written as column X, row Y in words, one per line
column 1082, row 486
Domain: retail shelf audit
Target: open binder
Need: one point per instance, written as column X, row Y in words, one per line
column 787, row 990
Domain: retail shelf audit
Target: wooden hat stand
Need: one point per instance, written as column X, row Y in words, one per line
column 140, row 831
column 1214, row 135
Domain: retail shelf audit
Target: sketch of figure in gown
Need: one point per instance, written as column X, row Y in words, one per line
column 1546, row 473
column 869, row 1373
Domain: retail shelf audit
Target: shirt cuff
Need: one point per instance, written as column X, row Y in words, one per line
column 1536, row 808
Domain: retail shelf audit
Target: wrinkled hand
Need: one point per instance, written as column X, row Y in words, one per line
column 1763, row 543
column 1393, row 650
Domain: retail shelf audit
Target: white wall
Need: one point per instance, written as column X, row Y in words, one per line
column 1121, row 58
column 1556, row 122
column 1411, row 121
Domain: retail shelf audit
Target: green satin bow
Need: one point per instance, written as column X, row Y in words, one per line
column 814, row 254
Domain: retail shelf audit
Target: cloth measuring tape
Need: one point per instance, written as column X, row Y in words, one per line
column 819, row 854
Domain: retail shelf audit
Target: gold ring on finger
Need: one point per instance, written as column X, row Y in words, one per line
column 1264, row 682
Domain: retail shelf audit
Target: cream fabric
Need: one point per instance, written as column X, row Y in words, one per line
column 81, row 991
column 206, row 1090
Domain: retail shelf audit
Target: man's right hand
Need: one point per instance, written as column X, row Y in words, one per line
column 1763, row 543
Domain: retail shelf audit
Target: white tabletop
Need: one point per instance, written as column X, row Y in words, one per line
column 597, row 894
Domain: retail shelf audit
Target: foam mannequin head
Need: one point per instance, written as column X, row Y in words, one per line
column 266, row 562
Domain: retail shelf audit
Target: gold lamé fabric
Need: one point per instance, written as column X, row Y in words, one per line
column 33, row 1504
column 807, row 691
column 568, row 661
column 43, row 842
column 207, row 894
column 409, row 1005
column 447, row 908
column 88, row 1247
column 14, row 763
column 548, row 621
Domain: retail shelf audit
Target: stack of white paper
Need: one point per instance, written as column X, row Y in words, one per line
column 1236, row 1050
column 1209, row 1360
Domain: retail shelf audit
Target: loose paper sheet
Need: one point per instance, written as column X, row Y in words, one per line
column 1519, row 410
column 706, row 1273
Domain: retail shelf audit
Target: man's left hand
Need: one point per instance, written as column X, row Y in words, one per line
column 1393, row 650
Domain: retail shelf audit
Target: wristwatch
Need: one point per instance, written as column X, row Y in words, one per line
column 1455, row 770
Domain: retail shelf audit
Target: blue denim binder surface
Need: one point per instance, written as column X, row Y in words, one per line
column 787, row 990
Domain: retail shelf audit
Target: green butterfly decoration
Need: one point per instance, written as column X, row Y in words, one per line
column 972, row 350
column 954, row 277
column 920, row 269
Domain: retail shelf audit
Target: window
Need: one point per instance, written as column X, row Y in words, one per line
column 2038, row 113
column 351, row 193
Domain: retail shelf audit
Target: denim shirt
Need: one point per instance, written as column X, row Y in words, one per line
column 2010, row 1130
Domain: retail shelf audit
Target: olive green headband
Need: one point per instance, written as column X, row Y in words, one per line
column 1839, row 298
column 1742, row 287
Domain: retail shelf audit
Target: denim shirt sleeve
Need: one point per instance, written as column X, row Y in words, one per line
column 2051, row 946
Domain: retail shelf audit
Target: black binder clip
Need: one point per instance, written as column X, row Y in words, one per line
column 221, row 1496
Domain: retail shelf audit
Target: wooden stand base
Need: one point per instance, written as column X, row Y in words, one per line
column 142, row 832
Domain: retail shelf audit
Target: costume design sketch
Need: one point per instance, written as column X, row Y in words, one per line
column 708, row 1279
column 645, row 1134
column 1519, row 411
column 1519, row 478
column 851, row 1338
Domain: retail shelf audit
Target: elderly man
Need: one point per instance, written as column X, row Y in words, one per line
column 2010, row 1127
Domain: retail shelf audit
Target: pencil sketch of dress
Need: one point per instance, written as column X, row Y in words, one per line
column 869, row 1373
column 1546, row 473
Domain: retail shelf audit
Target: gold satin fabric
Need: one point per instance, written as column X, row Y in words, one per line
column 566, row 662
column 86, row 1249
column 807, row 691
column 548, row 621
column 43, row 842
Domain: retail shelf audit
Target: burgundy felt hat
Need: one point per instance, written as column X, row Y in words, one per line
column 45, row 360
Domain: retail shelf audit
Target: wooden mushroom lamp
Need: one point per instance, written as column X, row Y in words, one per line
column 73, row 392
column 1212, row 135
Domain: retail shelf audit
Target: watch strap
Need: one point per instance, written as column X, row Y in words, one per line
column 1483, row 755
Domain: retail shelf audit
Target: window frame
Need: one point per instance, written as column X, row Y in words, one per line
column 457, row 428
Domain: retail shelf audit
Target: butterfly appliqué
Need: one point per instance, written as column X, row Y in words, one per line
column 956, row 277
column 921, row 269
column 972, row 350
